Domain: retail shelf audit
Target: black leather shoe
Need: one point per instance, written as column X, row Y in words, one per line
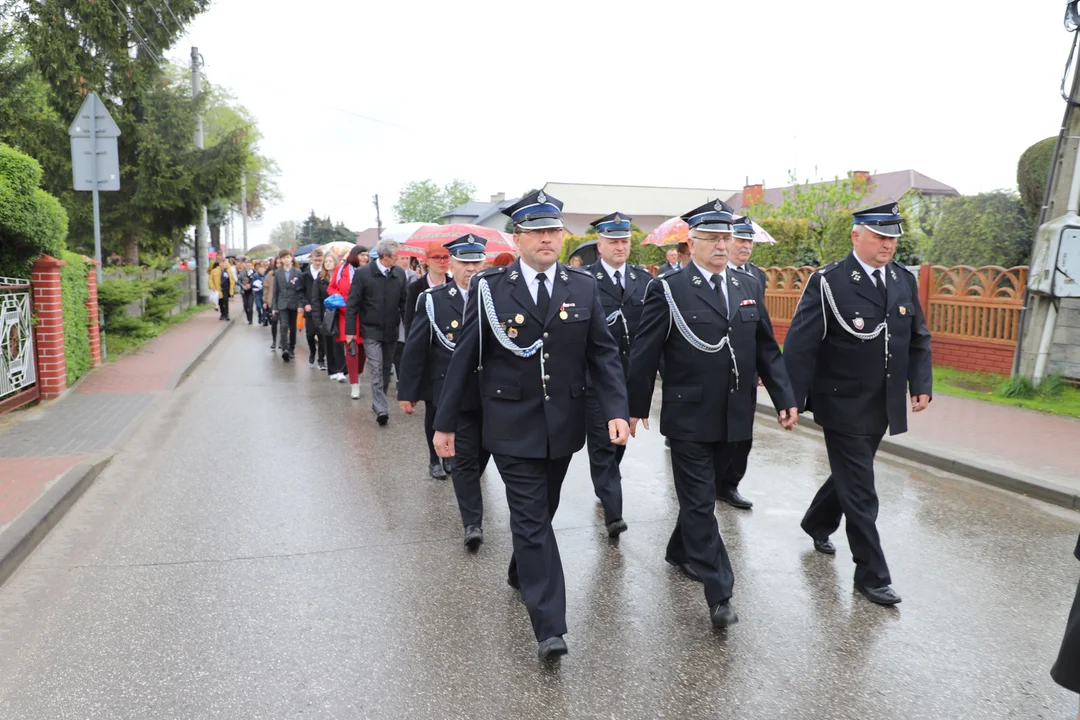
column 685, row 568
column 825, row 546
column 273, row 345
column 884, row 595
column 285, row 356
column 732, row 497
column 447, row 466
column 615, row 528
column 722, row 615
column 552, row 648
column 382, row 419
column 436, row 470
column 474, row 535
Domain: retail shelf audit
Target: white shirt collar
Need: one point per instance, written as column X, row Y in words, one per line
column 382, row 268
column 314, row 271
column 610, row 270
column 870, row 270
column 530, row 274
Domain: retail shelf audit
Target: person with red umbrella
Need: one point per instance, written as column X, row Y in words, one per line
column 340, row 283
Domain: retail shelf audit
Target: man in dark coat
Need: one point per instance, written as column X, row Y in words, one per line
column 288, row 299
column 856, row 346
column 742, row 244
column 313, row 311
column 622, row 294
column 712, row 329
column 672, row 256
column 534, row 329
column 377, row 297
column 437, row 323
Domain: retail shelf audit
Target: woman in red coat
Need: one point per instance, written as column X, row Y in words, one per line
column 339, row 283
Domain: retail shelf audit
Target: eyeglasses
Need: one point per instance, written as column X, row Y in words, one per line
column 438, row 257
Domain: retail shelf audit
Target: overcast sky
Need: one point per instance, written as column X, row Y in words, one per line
column 359, row 98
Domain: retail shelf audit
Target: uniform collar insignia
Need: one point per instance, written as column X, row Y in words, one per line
column 735, row 281
column 856, row 275
column 452, row 292
column 564, row 275
column 892, row 273
column 514, row 275
column 696, row 280
column 600, row 275
column 633, row 276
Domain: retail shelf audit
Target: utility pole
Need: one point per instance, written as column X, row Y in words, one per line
column 378, row 218
column 202, row 232
column 243, row 205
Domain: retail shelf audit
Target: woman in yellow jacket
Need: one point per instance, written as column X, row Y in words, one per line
column 223, row 280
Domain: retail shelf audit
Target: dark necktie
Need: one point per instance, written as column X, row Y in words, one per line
column 542, row 297
column 618, row 283
column 718, row 281
column 880, row 276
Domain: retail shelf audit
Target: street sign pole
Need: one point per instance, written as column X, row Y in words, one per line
column 94, row 191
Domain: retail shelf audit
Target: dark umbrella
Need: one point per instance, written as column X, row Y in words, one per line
column 305, row 249
column 587, row 252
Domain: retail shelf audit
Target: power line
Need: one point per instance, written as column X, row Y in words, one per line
column 143, row 30
column 369, row 118
column 161, row 19
column 145, row 45
column 178, row 23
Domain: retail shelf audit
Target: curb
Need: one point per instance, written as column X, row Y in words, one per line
column 27, row 531
column 1020, row 483
column 197, row 357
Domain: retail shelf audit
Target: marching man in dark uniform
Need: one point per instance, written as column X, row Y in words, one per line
column 436, row 323
column 712, row 329
column 622, row 294
column 532, row 330
column 742, row 245
column 856, row 346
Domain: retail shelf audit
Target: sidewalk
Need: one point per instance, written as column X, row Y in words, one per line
column 50, row 454
column 1025, row 451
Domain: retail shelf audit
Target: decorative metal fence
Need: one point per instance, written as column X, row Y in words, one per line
column 18, row 361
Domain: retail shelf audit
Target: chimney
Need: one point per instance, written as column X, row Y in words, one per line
column 860, row 178
column 498, row 197
column 752, row 194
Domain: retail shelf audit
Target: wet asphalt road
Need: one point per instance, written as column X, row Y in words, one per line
column 263, row 550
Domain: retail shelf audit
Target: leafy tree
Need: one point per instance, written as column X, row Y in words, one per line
column 816, row 203
column 425, row 201
column 792, row 248
column 284, row 234
column 1031, row 174
column 987, row 229
column 32, row 222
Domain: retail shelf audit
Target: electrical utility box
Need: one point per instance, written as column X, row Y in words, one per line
column 1055, row 258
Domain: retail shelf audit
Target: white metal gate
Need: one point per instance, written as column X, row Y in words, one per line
column 18, row 369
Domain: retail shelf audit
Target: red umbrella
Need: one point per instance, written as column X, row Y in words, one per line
column 669, row 232
column 418, row 242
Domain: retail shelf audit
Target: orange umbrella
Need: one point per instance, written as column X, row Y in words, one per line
column 419, row 241
column 669, row 232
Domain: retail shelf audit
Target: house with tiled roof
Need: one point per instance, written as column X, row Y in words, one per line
column 477, row 212
column 881, row 188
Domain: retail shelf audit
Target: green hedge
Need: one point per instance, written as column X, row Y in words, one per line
column 986, row 229
column 75, row 294
column 32, row 222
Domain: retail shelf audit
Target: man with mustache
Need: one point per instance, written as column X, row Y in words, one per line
column 711, row 328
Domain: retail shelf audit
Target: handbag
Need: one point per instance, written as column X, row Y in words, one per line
column 329, row 323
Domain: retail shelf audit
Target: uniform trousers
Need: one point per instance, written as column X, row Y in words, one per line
column 429, row 431
column 696, row 539
column 849, row 492
column 533, row 486
column 469, row 462
column 379, row 356
column 737, row 467
column 1066, row 670
column 604, row 459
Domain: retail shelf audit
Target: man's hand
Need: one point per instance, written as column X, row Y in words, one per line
column 788, row 418
column 307, row 308
column 920, row 403
column 444, row 444
column 633, row 425
column 349, row 338
column 407, row 407
column 618, row 431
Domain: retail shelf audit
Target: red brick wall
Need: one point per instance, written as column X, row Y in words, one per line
column 92, row 308
column 49, row 332
column 780, row 328
column 973, row 356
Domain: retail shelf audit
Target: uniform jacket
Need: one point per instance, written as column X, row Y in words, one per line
column 288, row 288
column 701, row 399
column 425, row 361
column 378, row 301
column 518, row 420
column 843, row 379
column 763, row 280
column 415, row 288
column 631, row 302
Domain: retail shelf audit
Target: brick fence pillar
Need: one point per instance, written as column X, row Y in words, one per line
column 94, row 326
column 49, row 332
